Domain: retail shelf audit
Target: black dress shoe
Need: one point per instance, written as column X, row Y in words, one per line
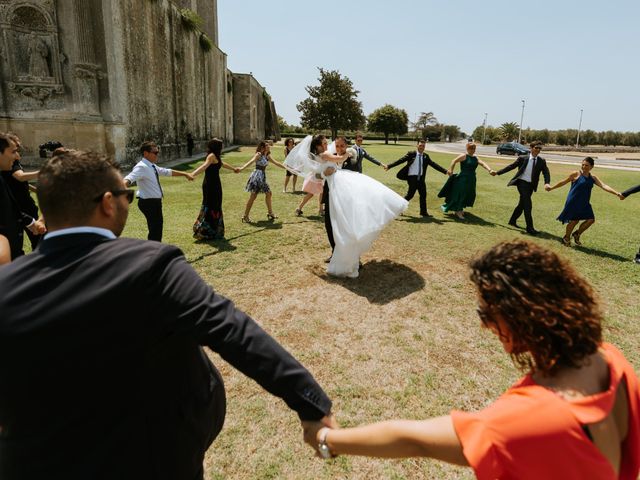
column 532, row 231
column 514, row 224
column 426, row 215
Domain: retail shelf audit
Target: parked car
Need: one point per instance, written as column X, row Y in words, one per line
column 512, row 148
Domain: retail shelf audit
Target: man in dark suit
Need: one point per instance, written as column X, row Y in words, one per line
column 415, row 173
column 624, row 195
column 12, row 218
column 103, row 374
column 18, row 182
column 526, row 179
column 356, row 166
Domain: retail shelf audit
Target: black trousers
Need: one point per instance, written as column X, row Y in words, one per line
column 151, row 208
column 417, row 183
column 525, row 189
column 327, row 215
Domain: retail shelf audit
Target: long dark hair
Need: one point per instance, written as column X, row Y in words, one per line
column 316, row 141
column 215, row 146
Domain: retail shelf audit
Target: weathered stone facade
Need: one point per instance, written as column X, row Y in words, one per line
column 109, row 74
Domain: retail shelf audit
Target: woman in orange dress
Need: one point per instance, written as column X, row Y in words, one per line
column 574, row 415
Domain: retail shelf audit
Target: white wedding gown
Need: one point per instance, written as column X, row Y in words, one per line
column 360, row 208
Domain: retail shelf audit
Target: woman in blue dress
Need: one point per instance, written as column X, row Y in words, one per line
column 257, row 182
column 578, row 204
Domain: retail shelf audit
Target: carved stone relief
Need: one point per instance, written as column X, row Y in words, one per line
column 30, row 53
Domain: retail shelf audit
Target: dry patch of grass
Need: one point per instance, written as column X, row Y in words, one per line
column 402, row 341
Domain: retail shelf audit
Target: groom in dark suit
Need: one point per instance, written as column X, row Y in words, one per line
column 526, row 179
column 415, row 173
column 103, row 373
column 624, row 195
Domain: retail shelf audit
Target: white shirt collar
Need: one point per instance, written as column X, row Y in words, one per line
column 147, row 162
column 68, row 231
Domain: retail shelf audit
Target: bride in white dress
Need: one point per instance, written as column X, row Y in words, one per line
column 360, row 206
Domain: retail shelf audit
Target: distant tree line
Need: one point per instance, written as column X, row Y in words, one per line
column 509, row 131
column 333, row 106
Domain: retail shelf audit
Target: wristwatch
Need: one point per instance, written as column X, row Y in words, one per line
column 323, row 448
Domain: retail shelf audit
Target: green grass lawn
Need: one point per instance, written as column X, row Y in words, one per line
column 403, row 339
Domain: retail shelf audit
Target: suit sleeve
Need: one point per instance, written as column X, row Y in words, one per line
column 631, row 191
column 406, row 158
column 545, row 173
column 508, row 168
column 369, row 157
column 435, row 165
column 190, row 307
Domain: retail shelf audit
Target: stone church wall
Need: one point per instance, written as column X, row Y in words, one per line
column 108, row 74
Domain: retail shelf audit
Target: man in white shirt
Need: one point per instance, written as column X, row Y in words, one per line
column 526, row 180
column 415, row 172
column 147, row 175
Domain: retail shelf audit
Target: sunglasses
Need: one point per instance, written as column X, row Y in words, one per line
column 537, row 148
column 155, row 152
column 128, row 192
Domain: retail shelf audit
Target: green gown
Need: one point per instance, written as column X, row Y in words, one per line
column 462, row 189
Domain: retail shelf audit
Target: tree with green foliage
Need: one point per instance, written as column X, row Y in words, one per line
column 424, row 120
column 509, row 131
column 388, row 120
column 332, row 105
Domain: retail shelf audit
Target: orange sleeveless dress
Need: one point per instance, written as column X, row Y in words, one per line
column 532, row 433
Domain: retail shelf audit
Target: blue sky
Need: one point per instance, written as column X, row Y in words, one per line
column 456, row 58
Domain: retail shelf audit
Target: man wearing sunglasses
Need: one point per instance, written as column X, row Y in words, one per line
column 147, row 175
column 103, row 372
column 526, row 180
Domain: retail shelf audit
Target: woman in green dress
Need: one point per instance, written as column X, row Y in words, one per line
column 460, row 190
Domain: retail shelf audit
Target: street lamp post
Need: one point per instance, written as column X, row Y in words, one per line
column 484, row 128
column 521, row 118
column 579, row 127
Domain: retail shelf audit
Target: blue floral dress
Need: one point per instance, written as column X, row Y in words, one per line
column 257, row 182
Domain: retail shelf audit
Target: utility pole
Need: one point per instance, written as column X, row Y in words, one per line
column 579, row 127
column 484, row 128
column 521, row 118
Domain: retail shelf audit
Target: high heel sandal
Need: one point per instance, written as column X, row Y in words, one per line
column 566, row 241
column 576, row 238
column 271, row 216
column 245, row 219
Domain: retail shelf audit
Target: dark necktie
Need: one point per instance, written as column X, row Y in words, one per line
column 155, row 170
column 533, row 165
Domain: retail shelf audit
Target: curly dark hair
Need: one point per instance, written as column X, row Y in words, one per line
column 551, row 312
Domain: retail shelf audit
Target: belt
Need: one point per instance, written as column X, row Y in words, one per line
column 258, row 167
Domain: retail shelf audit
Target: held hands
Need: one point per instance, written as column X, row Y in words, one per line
column 449, row 172
column 236, row 170
column 547, row 187
column 310, row 430
column 493, row 173
column 37, row 228
column 385, row 166
column 621, row 196
column 190, row 177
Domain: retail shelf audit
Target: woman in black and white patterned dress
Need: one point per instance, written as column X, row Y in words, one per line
column 257, row 182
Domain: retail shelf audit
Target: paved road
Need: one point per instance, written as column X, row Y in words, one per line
column 490, row 151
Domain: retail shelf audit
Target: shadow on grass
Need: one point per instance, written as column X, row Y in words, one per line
column 380, row 281
column 600, row 253
column 475, row 220
column 411, row 219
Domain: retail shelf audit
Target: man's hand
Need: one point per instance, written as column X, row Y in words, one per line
column 329, row 171
column 547, row 187
column 236, row 170
column 310, row 430
column 493, row 173
column 386, row 167
column 621, row 196
column 190, row 177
